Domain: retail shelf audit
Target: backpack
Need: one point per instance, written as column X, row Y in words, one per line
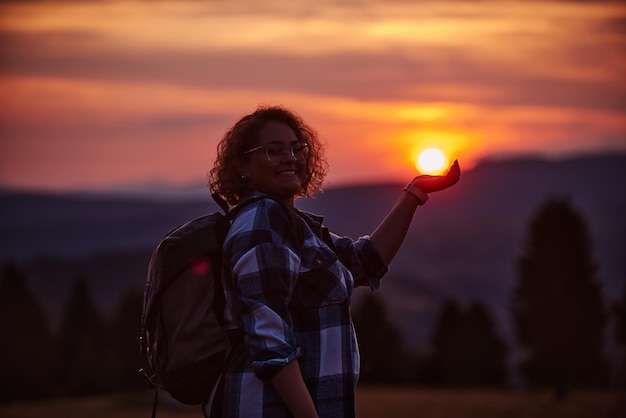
column 182, row 339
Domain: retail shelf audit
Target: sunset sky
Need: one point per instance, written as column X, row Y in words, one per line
column 99, row 94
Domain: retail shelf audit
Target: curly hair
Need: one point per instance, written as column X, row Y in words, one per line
column 224, row 177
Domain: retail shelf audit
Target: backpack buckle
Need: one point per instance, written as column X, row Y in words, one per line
column 147, row 378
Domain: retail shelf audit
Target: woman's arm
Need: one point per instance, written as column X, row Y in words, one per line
column 391, row 232
column 265, row 265
column 290, row 386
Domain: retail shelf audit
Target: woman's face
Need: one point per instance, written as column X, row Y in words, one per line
column 283, row 176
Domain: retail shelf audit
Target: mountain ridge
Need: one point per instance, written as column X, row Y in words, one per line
column 462, row 245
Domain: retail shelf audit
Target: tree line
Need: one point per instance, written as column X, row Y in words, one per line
column 87, row 355
column 557, row 310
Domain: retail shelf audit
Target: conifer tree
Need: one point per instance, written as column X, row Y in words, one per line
column 85, row 362
column 619, row 332
column 25, row 340
column 384, row 359
column 486, row 351
column 619, row 311
column 558, row 308
column 445, row 338
column 125, row 336
column 467, row 351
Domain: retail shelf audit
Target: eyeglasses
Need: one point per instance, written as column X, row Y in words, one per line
column 276, row 151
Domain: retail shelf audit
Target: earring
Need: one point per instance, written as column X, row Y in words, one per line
column 243, row 177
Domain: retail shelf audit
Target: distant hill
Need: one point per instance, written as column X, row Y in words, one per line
column 463, row 243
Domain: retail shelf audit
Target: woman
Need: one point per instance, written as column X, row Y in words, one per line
column 288, row 282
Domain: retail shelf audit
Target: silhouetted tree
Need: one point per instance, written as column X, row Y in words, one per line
column 619, row 331
column 125, row 336
column 26, row 359
column 384, row 359
column 444, row 340
column 486, row 351
column 85, row 363
column 619, row 310
column 467, row 352
column 558, row 309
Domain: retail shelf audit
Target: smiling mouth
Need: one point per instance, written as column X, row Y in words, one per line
column 287, row 172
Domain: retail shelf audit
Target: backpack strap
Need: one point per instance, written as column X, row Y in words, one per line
column 222, row 229
column 296, row 225
column 329, row 241
column 155, row 403
column 292, row 214
column 220, row 202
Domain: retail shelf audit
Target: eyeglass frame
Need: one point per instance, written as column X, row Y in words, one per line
column 305, row 145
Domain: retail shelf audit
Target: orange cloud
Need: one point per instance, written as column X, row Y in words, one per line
column 100, row 93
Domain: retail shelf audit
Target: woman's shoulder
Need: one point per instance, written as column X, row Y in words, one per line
column 265, row 206
column 262, row 213
column 311, row 219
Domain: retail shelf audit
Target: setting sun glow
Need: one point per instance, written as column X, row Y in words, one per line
column 381, row 82
column 431, row 161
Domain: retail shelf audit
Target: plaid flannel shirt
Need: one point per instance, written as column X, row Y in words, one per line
column 292, row 300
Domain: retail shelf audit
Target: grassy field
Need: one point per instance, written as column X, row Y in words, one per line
column 371, row 403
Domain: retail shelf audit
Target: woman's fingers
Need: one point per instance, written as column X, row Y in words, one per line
column 429, row 184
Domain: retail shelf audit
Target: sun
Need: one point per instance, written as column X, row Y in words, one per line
column 431, row 161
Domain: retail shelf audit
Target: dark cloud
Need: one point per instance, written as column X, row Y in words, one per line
column 615, row 25
column 392, row 75
column 164, row 124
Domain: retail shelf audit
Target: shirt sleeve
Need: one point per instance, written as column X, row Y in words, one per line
column 265, row 264
column 362, row 259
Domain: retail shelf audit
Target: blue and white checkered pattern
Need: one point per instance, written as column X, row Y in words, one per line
column 292, row 300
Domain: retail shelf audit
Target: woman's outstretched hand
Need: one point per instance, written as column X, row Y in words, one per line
column 429, row 184
column 390, row 233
